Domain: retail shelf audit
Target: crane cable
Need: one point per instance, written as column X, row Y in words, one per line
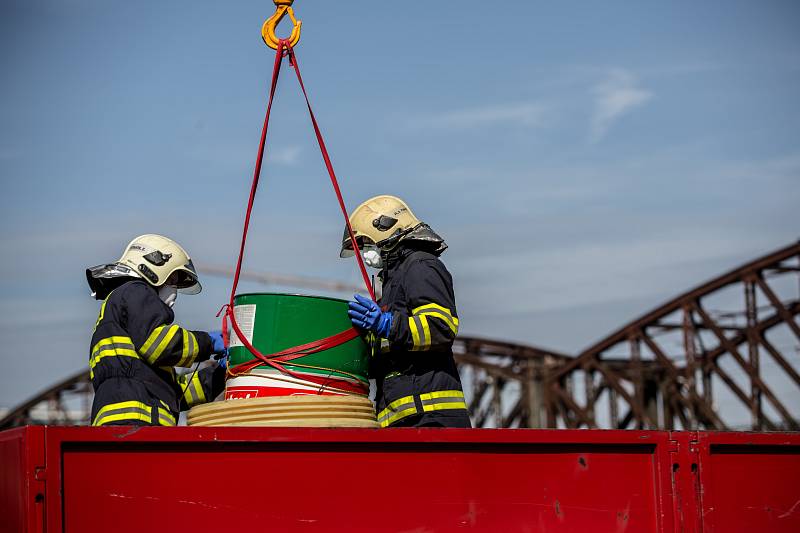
column 283, row 49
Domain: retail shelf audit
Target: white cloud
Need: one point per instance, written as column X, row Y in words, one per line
column 284, row 155
column 236, row 154
column 614, row 97
column 603, row 272
column 523, row 114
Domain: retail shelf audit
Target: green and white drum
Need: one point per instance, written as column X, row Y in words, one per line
column 276, row 322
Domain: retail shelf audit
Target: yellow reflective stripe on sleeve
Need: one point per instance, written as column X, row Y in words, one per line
column 426, row 332
column 420, row 333
column 165, row 418
column 194, row 392
column 439, row 312
column 451, row 322
column 190, row 349
column 194, row 348
column 185, row 355
column 198, row 387
column 445, row 310
column 157, row 342
column 171, row 332
column 154, row 335
column 412, row 325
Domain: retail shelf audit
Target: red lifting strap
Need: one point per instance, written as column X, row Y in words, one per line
column 275, row 360
column 300, row 351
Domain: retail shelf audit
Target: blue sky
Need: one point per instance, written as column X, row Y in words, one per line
column 585, row 161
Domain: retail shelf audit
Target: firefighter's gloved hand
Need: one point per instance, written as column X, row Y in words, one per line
column 365, row 314
column 219, row 344
column 222, row 361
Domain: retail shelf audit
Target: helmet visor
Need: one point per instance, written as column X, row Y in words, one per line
column 362, row 241
column 185, row 279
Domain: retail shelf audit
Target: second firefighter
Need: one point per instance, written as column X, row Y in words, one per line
column 416, row 319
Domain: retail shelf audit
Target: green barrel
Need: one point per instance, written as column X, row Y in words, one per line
column 282, row 321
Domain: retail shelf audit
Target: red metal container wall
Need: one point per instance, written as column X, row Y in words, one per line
column 400, row 486
column 751, row 482
column 291, row 479
column 22, row 486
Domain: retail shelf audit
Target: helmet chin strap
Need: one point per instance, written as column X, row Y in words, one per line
column 168, row 294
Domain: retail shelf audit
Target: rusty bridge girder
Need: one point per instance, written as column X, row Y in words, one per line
column 663, row 370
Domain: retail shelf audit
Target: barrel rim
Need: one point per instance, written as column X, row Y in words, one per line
column 313, row 296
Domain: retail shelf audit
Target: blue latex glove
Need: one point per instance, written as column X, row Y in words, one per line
column 365, row 314
column 219, row 345
column 223, row 361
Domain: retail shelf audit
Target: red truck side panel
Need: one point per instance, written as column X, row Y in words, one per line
column 22, row 485
column 363, row 480
column 296, row 479
column 750, row 482
column 333, row 487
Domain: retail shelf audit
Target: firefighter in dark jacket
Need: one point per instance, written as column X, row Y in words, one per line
column 135, row 347
column 416, row 319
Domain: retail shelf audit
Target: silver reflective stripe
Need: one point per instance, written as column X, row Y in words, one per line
column 191, row 345
column 165, row 419
column 191, row 392
column 423, row 340
column 123, row 410
column 154, row 346
column 445, row 399
column 447, row 319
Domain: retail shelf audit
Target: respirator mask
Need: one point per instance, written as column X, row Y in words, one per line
column 168, row 294
column 372, row 258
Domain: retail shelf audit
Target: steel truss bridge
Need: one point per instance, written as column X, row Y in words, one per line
column 733, row 341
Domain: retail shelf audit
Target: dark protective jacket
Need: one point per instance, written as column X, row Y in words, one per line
column 134, row 351
column 417, row 379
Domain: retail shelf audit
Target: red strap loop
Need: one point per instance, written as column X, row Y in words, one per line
column 275, row 360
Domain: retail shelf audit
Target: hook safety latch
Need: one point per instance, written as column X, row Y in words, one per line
column 282, row 8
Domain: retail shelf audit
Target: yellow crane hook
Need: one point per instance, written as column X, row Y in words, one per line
column 282, row 8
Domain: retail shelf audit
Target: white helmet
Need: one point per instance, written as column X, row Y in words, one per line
column 382, row 222
column 153, row 258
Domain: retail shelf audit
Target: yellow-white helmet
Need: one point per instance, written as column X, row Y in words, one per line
column 383, row 222
column 156, row 259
